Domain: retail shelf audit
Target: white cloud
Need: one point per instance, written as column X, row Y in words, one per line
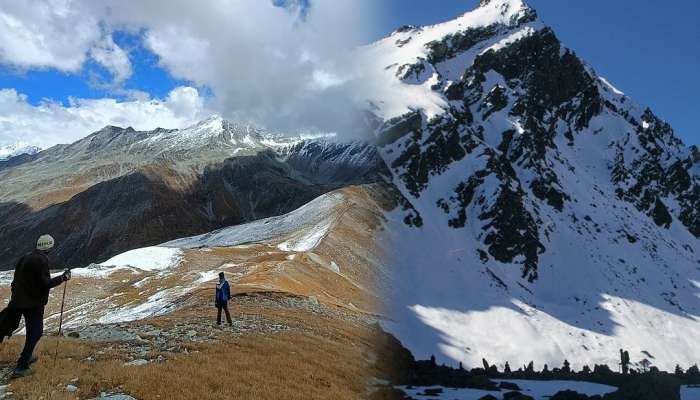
column 322, row 80
column 113, row 58
column 46, row 34
column 51, row 123
column 262, row 63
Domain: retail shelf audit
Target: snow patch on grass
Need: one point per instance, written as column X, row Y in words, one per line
column 146, row 259
column 157, row 304
column 308, row 240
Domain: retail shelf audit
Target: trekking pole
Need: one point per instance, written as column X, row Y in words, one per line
column 49, row 393
column 60, row 323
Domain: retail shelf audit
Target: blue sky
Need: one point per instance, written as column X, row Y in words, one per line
column 649, row 49
column 92, row 82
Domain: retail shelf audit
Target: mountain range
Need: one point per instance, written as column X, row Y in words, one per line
column 119, row 189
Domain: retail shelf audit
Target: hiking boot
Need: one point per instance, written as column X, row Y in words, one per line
column 21, row 372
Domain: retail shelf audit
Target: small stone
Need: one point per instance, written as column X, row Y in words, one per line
column 71, row 388
column 136, row 363
column 105, row 396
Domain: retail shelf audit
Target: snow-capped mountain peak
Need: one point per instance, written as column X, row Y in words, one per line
column 505, row 11
column 17, row 149
column 223, row 131
column 503, row 4
column 214, row 124
column 403, row 68
column 553, row 206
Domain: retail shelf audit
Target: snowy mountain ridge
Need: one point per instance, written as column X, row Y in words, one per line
column 215, row 132
column 546, row 216
column 17, row 149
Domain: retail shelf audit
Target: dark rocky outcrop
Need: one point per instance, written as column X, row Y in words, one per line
column 516, row 396
column 512, row 179
column 572, row 395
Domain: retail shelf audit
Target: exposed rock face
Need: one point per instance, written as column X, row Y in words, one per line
column 119, row 189
column 334, row 163
column 535, row 185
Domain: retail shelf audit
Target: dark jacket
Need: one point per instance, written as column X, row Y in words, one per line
column 9, row 322
column 223, row 293
column 32, row 281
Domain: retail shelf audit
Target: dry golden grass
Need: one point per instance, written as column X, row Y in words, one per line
column 327, row 359
column 321, row 357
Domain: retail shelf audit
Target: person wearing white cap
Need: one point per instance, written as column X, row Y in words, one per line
column 30, row 293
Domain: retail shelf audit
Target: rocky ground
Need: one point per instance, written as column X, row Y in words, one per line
column 188, row 332
column 143, row 342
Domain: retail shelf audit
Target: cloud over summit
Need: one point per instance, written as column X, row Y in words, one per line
column 285, row 65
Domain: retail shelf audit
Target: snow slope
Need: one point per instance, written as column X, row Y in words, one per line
column 145, row 259
column 546, row 215
column 304, row 227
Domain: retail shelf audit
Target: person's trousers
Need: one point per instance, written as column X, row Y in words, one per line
column 224, row 307
column 34, row 324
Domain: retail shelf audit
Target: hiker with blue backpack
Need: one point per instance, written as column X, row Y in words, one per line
column 223, row 295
